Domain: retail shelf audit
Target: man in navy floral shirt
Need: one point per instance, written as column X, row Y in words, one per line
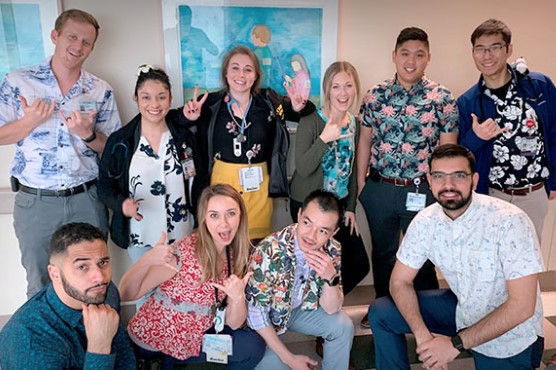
column 403, row 120
column 508, row 120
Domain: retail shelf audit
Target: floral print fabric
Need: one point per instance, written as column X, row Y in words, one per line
column 156, row 182
column 163, row 323
column 407, row 125
column 273, row 264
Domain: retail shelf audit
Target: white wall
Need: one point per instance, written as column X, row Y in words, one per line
column 131, row 34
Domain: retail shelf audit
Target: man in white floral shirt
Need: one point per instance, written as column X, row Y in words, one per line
column 403, row 120
column 489, row 254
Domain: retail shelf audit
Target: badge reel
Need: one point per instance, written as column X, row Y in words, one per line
column 218, row 346
column 415, row 201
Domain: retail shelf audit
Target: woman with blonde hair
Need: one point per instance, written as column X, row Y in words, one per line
column 199, row 287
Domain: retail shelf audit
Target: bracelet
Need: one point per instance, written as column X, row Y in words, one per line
column 90, row 138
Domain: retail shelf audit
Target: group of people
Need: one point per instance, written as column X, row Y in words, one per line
column 190, row 192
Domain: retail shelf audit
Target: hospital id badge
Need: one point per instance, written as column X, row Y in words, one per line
column 415, row 202
column 188, row 168
column 529, row 146
column 217, row 347
column 250, row 178
column 87, row 106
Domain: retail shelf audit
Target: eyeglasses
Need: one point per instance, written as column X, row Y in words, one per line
column 492, row 49
column 456, row 177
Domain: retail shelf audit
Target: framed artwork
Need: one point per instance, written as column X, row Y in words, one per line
column 295, row 41
column 25, row 27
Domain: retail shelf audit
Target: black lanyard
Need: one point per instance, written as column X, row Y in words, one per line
column 222, row 305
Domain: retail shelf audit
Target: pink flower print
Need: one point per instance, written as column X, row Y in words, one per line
column 423, row 154
column 434, row 96
column 388, row 111
column 423, row 167
column 231, row 127
column 427, row 131
column 410, row 110
column 427, row 117
column 386, row 147
column 256, row 148
column 369, row 98
column 449, row 109
column 407, row 148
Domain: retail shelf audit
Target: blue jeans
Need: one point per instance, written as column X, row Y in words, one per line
column 336, row 329
column 438, row 309
column 248, row 349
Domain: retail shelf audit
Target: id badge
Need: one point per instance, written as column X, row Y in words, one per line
column 87, row 106
column 529, row 146
column 415, row 202
column 188, row 168
column 250, row 178
column 217, row 347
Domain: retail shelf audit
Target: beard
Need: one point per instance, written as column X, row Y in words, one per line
column 453, row 204
column 82, row 296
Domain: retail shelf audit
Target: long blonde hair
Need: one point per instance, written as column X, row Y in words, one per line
column 331, row 72
column 205, row 248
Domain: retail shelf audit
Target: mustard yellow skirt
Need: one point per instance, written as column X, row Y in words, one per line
column 258, row 204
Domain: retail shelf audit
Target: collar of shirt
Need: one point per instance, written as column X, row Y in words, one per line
column 418, row 86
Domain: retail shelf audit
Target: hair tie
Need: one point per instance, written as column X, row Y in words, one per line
column 144, row 68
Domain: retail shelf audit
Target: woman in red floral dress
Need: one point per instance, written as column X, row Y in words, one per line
column 199, row 287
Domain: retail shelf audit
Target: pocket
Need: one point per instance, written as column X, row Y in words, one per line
column 24, row 200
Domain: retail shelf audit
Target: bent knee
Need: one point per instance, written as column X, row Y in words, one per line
column 380, row 310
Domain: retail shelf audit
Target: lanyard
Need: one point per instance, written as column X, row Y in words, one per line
column 243, row 125
column 222, row 305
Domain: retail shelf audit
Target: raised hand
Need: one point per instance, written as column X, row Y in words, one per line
column 162, row 254
column 78, row 124
column 350, row 221
column 321, row 263
column 130, row 208
column 299, row 100
column 333, row 131
column 192, row 109
column 486, row 130
column 38, row 112
column 234, row 287
column 101, row 324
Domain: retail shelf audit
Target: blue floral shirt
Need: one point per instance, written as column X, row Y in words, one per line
column 407, row 125
column 44, row 333
column 50, row 157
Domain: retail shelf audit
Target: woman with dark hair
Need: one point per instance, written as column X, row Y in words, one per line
column 149, row 176
column 199, row 285
column 243, row 137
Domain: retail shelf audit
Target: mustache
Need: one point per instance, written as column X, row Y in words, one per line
column 97, row 286
column 450, row 191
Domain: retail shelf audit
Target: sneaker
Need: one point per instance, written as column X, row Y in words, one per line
column 365, row 322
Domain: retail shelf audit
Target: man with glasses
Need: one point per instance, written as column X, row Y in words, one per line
column 508, row 120
column 489, row 254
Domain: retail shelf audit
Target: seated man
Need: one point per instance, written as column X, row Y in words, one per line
column 489, row 254
column 296, row 286
column 73, row 323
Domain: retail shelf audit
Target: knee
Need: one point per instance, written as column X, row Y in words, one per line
column 379, row 311
column 342, row 327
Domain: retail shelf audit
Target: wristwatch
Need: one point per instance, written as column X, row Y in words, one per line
column 334, row 280
column 457, row 343
column 91, row 138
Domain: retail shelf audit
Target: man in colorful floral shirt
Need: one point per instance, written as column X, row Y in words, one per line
column 59, row 117
column 296, row 286
column 508, row 120
column 403, row 120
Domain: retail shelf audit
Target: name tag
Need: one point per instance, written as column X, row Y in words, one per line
column 251, row 178
column 217, row 347
column 415, row 202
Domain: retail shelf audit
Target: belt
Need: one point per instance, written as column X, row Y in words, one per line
column 403, row 182
column 58, row 193
column 522, row 191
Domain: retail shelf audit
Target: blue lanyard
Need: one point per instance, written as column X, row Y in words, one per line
column 243, row 119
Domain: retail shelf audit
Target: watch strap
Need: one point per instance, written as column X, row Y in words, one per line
column 457, row 343
column 90, row 138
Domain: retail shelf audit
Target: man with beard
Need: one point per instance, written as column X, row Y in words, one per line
column 488, row 252
column 73, row 323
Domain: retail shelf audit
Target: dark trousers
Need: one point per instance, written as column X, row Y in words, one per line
column 384, row 205
column 355, row 262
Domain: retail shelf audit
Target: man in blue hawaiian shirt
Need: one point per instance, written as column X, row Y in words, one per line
column 403, row 120
column 508, row 120
column 296, row 286
column 73, row 323
column 59, row 116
